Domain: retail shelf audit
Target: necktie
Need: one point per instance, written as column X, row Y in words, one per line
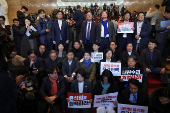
column 88, row 32
column 134, row 99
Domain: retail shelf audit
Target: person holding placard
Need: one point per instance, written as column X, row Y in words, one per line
column 134, row 95
column 105, row 85
column 108, row 57
column 89, row 66
column 81, row 85
column 124, row 38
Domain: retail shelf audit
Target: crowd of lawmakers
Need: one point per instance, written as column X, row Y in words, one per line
column 53, row 56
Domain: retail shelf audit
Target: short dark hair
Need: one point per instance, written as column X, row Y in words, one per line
column 87, row 52
column 2, row 17
column 15, row 19
column 77, row 41
column 60, row 11
column 41, row 10
column 28, row 18
column 133, row 57
column 107, row 73
column 23, row 7
column 113, row 18
column 134, row 82
column 129, row 43
column 164, row 92
column 167, row 9
column 18, row 70
column 127, row 13
column 114, row 42
column 108, row 50
column 140, row 13
column 42, row 45
column 31, row 51
column 51, row 69
column 60, row 44
column 152, row 41
column 97, row 43
column 70, row 51
column 157, row 6
column 82, row 72
column 78, row 6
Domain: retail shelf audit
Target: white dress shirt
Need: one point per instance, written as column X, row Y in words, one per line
column 80, row 86
column 139, row 26
column 60, row 23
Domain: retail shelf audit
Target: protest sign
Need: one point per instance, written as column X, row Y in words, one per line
column 128, row 73
column 125, row 108
column 79, row 100
column 115, row 68
column 97, row 56
column 105, row 100
column 125, row 27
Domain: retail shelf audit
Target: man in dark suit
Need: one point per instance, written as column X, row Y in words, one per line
column 42, row 52
column 106, row 32
column 52, row 60
column 53, row 89
column 134, row 95
column 70, row 66
column 124, row 38
column 78, row 17
column 152, row 60
column 6, row 27
column 17, row 36
column 89, row 32
column 35, row 65
column 78, row 51
column 21, row 16
column 60, row 31
column 142, row 32
column 116, row 54
column 129, row 51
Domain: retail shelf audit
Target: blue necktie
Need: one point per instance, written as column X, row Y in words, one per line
column 134, row 99
column 88, row 32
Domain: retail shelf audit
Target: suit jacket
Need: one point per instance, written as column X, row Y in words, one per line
column 79, row 53
column 117, row 55
column 46, row 87
column 144, row 34
column 88, row 88
column 65, row 66
column 90, row 70
column 161, row 35
column 21, row 18
column 56, row 32
column 142, row 98
column 98, row 88
column 38, row 64
column 44, row 55
column 156, row 61
column 64, row 55
column 79, row 17
column 93, row 32
column 112, row 34
column 112, row 60
column 49, row 62
column 125, row 55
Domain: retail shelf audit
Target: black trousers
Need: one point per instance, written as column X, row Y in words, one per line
column 88, row 46
column 78, row 27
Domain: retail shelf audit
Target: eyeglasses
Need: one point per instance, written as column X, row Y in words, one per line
column 89, row 14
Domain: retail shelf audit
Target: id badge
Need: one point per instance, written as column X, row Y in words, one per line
column 124, row 35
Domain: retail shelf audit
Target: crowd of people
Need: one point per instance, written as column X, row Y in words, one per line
column 51, row 56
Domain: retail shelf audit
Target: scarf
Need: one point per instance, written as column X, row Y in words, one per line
column 104, row 23
column 53, row 90
column 87, row 62
column 105, row 87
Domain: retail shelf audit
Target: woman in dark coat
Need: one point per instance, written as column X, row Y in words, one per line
column 29, row 37
column 160, row 100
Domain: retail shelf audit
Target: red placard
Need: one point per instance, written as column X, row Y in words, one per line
column 125, row 27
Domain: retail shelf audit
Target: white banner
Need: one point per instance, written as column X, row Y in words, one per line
column 97, row 56
column 125, row 108
column 105, row 100
column 115, row 68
